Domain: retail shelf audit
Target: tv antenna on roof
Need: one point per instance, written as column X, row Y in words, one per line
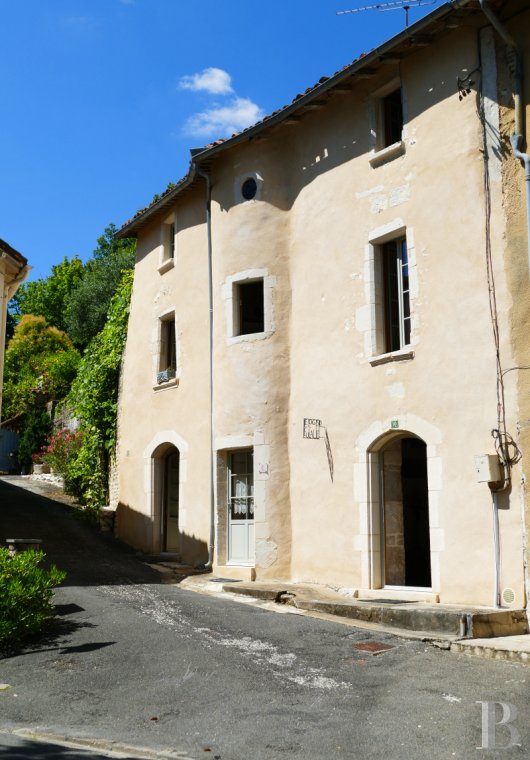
column 394, row 5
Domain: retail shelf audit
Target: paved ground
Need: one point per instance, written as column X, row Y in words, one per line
column 186, row 675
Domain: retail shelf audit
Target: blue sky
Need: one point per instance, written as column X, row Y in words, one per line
column 102, row 99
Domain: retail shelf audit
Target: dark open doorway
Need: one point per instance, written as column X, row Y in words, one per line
column 405, row 513
column 170, row 501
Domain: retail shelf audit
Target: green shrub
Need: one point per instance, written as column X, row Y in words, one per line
column 26, row 592
column 62, row 447
column 37, row 428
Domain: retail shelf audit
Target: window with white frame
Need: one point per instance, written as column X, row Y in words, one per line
column 396, row 294
column 388, row 320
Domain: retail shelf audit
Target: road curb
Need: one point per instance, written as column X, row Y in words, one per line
column 110, row 748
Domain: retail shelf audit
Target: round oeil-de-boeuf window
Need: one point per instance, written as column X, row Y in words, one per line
column 249, row 188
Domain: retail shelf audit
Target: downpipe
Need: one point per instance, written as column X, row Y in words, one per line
column 496, row 489
column 497, row 549
column 517, row 138
column 211, row 546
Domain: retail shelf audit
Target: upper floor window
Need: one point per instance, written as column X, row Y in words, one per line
column 387, row 119
column 250, row 317
column 248, row 187
column 249, row 305
column 392, row 118
column 396, row 305
column 168, row 245
column 167, row 355
column 387, row 320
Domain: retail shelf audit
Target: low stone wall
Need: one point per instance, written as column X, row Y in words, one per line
column 107, row 516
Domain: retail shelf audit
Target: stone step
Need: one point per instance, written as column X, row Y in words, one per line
column 431, row 620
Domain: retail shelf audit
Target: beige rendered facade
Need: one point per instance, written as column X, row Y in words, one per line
column 13, row 271
column 337, row 422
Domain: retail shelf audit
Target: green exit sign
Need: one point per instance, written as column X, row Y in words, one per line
column 394, row 423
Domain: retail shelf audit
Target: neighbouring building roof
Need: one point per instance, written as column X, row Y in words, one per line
column 8, row 250
column 449, row 16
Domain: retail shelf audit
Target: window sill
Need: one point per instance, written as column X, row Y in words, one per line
column 249, row 337
column 165, row 266
column 173, row 383
column 404, row 354
column 378, row 157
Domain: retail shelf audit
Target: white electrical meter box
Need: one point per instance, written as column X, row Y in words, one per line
column 488, row 468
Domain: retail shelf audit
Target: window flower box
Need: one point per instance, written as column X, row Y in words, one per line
column 165, row 376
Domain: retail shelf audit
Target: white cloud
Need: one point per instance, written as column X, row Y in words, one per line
column 212, row 80
column 222, row 121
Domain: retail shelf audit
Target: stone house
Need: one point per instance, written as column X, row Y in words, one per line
column 13, row 271
column 329, row 318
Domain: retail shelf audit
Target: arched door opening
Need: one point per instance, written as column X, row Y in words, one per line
column 405, row 538
column 166, row 494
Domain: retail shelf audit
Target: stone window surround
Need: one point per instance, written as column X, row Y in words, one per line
column 165, row 260
column 366, row 484
column 369, row 318
column 228, row 290
column 380, row 154
column 153, row 458
column 223, row 446
column 157, row 349
column 238, row 184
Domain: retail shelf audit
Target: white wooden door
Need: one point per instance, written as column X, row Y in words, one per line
column 241, row 508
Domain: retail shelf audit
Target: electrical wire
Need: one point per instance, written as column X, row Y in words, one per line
column 505, row 446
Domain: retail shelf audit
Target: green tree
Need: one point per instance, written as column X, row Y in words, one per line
column 40, row 364
column 11, row 323
column 90, row 301
column 50, row 297
column 93, row 399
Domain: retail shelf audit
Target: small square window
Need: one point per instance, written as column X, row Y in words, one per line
column 249, row 304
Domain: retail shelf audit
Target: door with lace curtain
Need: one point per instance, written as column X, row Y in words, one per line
column 241, row 507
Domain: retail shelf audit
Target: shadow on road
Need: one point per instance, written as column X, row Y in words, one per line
column 57, row 631
column 18, row 748
column 90, row 558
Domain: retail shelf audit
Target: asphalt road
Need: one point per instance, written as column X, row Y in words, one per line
column 193, row 676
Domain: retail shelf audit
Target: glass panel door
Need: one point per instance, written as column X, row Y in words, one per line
column 241, row 507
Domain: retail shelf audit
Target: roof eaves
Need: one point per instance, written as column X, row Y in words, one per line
column 130, row 228
column 328, row 83
column 7, row 249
